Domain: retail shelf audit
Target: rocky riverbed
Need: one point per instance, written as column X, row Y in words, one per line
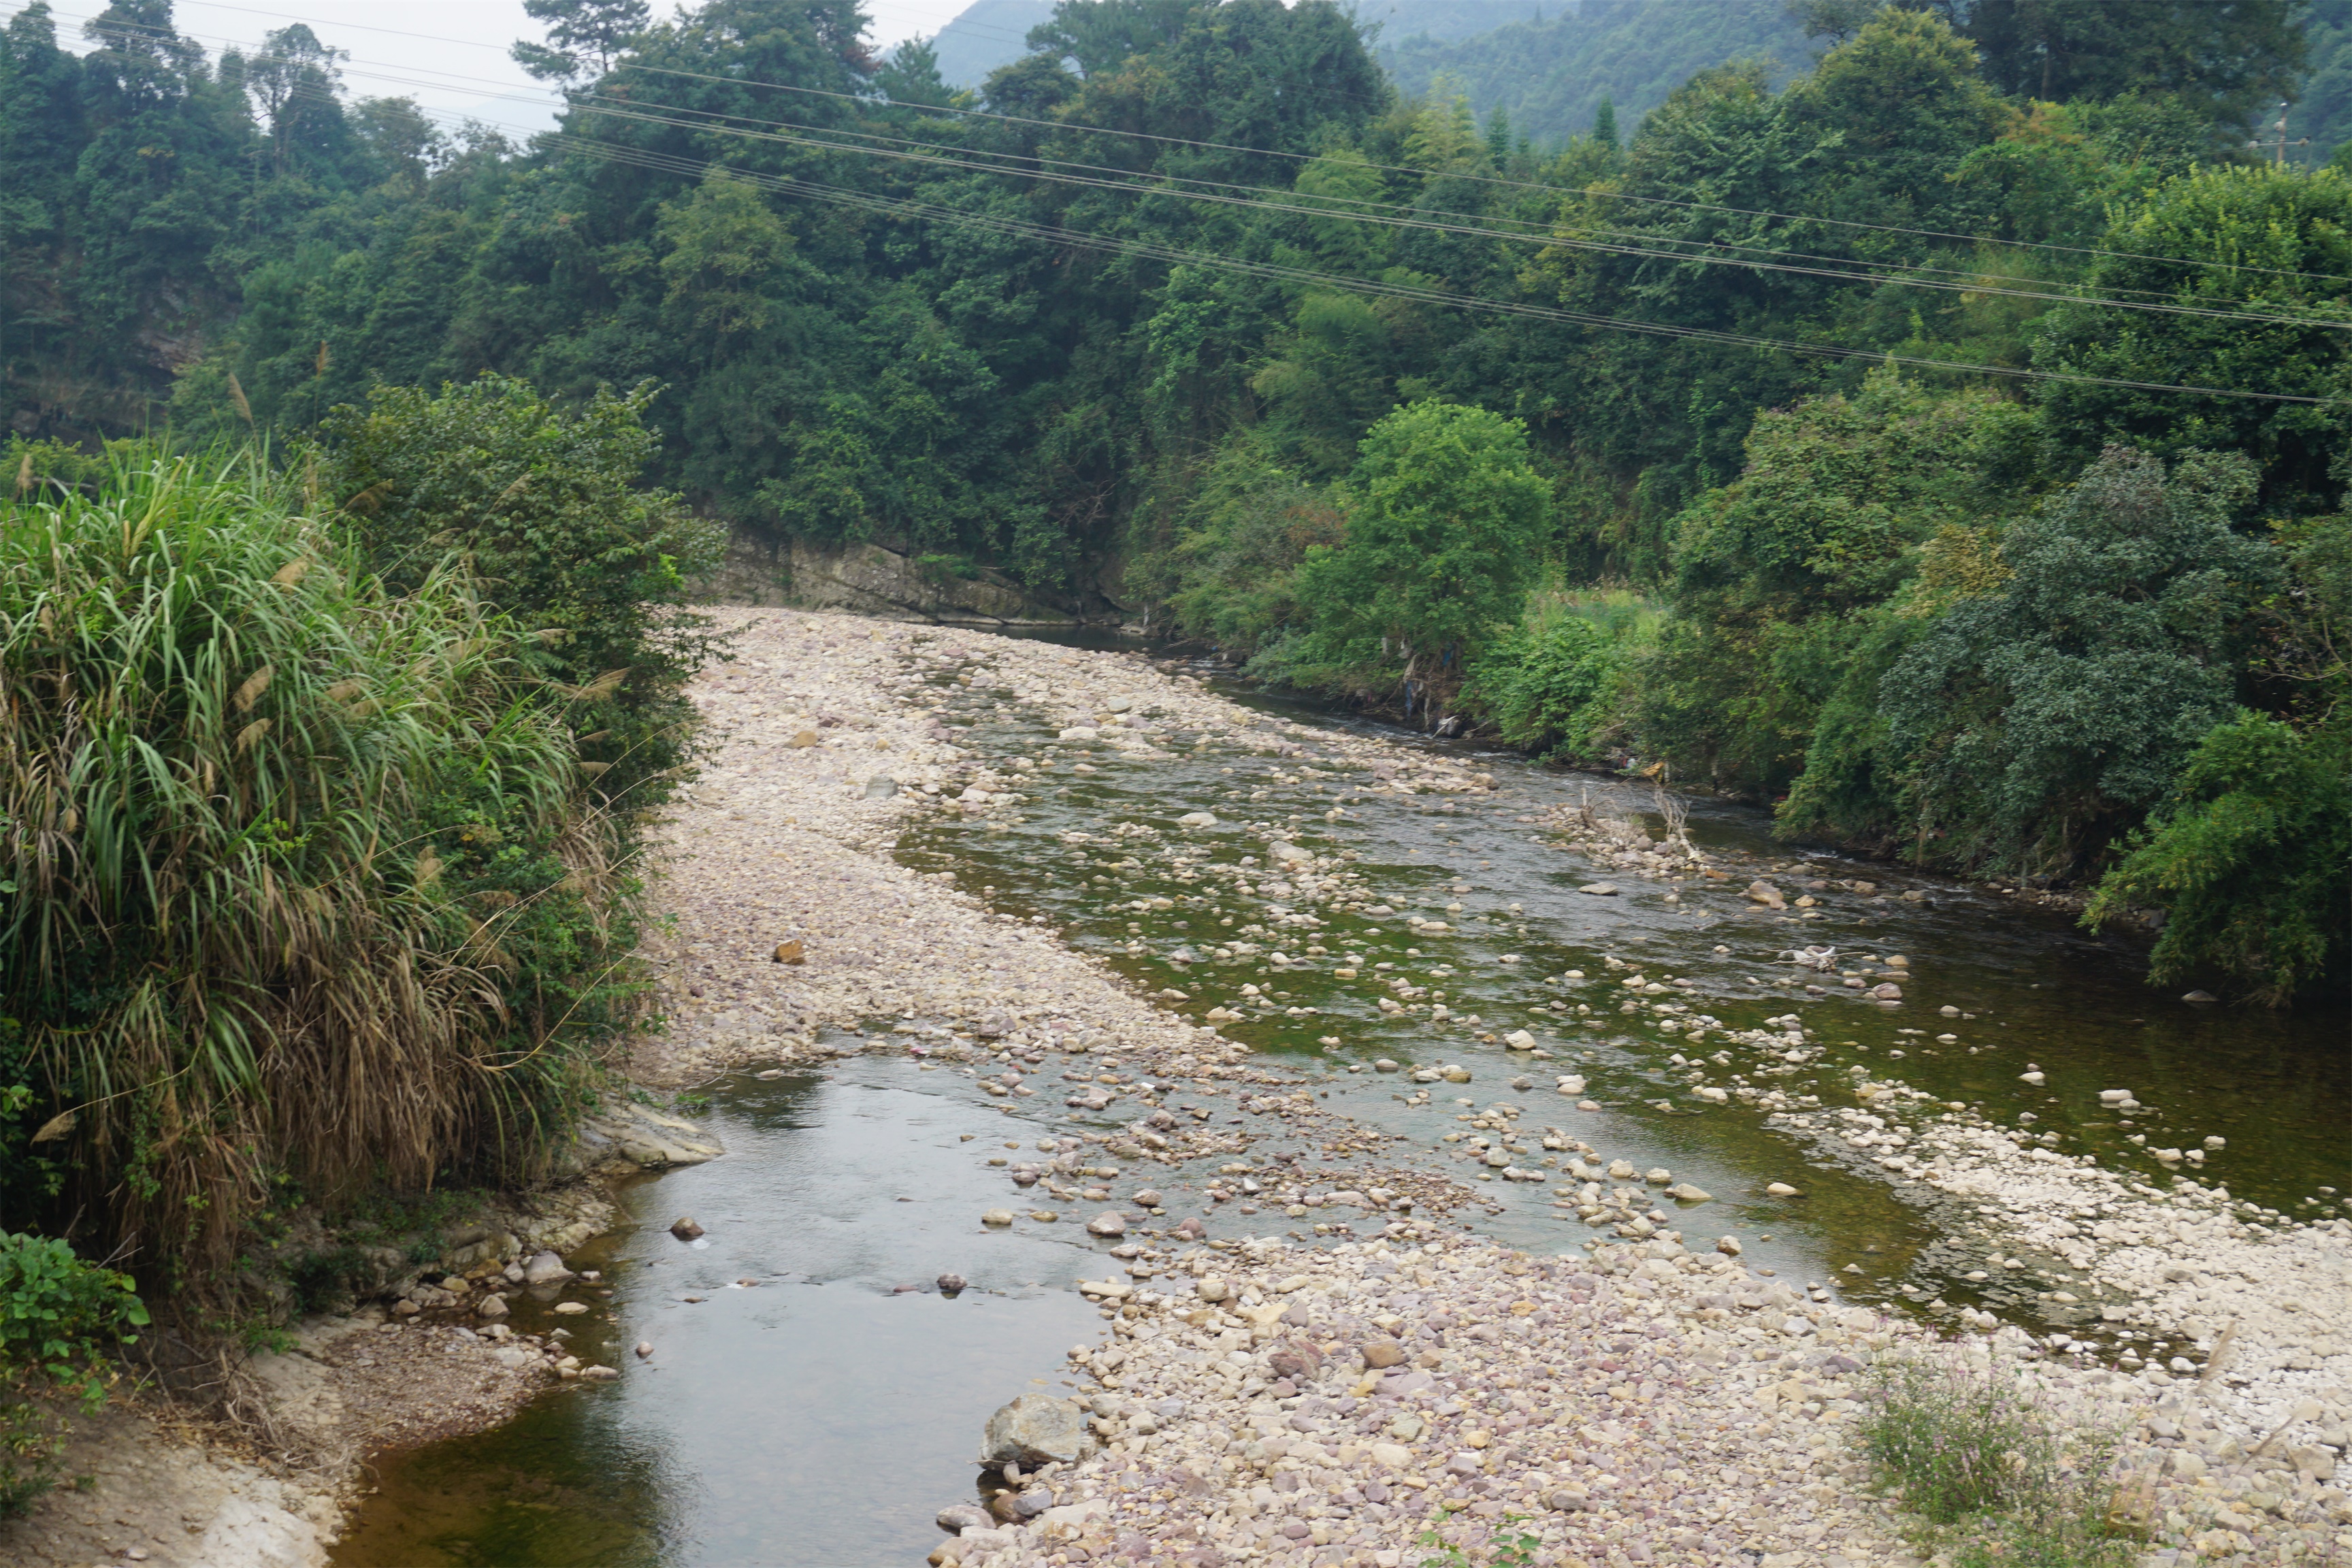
column 1721, row 1428
column 1376, row 1403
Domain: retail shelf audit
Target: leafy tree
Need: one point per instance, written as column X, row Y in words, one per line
column 587, row 37
column 911, row 75
column 2229, row 60
column 544, row 505
column 2249, row 240
column 398, row 137
column 2250, row 859
column 294, row 79
column 2032, row 725
column 1445, row 522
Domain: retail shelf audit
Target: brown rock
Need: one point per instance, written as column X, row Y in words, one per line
column 1383, row 1352
column 1295, row 1360
column 684, row 1229
column 805, row 738
column 791, row 952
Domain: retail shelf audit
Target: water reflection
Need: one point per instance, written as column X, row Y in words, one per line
column 799, row 1405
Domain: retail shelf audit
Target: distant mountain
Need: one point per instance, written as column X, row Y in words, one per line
column 992, row 33
column 1552, row 75
column 985, row 35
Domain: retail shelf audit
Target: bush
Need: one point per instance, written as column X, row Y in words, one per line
column 1227, row 577
column 295, row 876
column 58, row 1318
column 2032, row 724
column 1990, row 1468
column 59, row 1315
column 2250, row 860
column 543, row 505
column 1550, row 688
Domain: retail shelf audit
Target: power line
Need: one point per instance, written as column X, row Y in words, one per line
column 1393, row 214
column 1067, row 238
column 1175, row 256
column 1377, row 213
column 1065, row 126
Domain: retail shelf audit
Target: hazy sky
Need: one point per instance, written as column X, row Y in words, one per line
column 448, row 55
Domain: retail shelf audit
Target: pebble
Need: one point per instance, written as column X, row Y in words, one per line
column 1645, row 1405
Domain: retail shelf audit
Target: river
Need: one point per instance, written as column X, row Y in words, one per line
column 817, row 1403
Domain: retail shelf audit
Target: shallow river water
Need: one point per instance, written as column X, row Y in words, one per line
column 809, row 1415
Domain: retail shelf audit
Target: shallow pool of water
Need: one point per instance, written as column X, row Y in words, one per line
column 806, row 1409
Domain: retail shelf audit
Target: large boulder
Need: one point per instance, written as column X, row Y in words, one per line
column 1037, row 1429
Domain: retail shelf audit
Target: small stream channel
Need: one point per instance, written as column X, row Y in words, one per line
column 813, row 1417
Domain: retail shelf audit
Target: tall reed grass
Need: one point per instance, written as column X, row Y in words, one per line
column 297, row 877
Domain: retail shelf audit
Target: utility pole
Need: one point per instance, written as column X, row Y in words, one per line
column 2278, row 158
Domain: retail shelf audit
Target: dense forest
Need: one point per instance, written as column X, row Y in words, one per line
column 1944, row 446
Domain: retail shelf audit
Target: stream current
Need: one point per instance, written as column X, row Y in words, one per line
column 811, row 1401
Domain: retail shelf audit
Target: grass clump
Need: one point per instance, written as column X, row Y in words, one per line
column 301, row 877
column 1994, row 1471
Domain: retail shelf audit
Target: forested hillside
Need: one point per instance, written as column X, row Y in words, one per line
column 987, row 33
column 1550, row 78
column 1954, row 466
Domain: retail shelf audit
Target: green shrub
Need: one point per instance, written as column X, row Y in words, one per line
column 2250, row 859
column 1227, row 576
column 302, row 875
column 1552, row 690
column 1991, row 1469
column 543, row 506
column 59, row 1316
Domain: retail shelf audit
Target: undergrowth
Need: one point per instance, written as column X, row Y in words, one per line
column 1993, row 1472
column 302, row 875
column 59, row 1317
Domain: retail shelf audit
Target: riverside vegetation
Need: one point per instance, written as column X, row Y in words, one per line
column 318, row 870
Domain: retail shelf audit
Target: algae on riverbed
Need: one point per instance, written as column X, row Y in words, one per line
column 1056, row 833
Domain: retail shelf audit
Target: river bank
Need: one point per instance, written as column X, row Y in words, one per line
column 1208, row 1070
column 833, row 740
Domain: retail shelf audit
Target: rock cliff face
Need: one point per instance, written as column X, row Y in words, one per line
column 870, row 579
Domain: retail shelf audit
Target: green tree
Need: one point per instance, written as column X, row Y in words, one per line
column 1444, row 532
column 2258, row 240
column 586, row 36
column 2227, row 60
column 2033, row 725
column 544, row 504
column 2250, row 859
column 294, row 79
